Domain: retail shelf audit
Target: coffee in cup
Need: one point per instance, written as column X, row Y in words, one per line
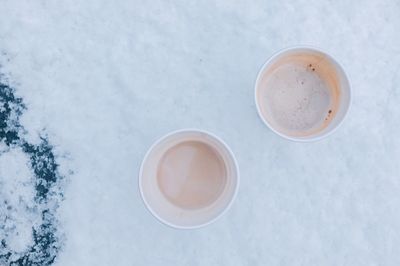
column 302, row 94
column 188, row 178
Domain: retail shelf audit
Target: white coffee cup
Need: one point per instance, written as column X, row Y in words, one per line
column 311, row 70
column 188, row 178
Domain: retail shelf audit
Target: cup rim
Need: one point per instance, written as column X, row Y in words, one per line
column 297, row 139
column 225, row 209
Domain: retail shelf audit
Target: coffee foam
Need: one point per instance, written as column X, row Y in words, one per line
column 298, row 93
column 191, row 175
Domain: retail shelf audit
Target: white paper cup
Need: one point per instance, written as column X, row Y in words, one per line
column 155, row 189
column 344, row 98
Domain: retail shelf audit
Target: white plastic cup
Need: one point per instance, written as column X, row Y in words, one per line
column 344, row 102
column 166, row 211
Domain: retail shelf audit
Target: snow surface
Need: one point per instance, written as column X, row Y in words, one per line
column 104, row 79
column 17, row 192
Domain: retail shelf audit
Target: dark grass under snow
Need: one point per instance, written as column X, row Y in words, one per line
column 46, row 241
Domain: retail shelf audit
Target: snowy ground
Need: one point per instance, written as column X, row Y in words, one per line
column 101, row 80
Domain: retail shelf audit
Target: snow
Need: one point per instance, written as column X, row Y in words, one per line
column 104, row 79
column 17, row 209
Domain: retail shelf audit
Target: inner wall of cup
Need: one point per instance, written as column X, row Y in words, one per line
column 173, row 214
column 344, row 93
column 344, row 102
